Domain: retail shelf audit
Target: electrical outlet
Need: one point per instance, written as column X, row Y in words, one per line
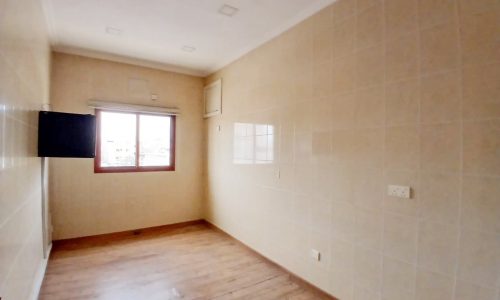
column 315, row 254
column 399, row 191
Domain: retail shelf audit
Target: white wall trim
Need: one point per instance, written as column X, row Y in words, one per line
column 40, row 274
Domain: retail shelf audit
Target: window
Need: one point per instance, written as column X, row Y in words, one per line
column 134, row 142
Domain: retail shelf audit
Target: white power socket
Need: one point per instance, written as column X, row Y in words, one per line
column 399, row 191
column 315, row 254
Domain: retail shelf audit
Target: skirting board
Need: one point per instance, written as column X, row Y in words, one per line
column 126, row 233
column 40, row 274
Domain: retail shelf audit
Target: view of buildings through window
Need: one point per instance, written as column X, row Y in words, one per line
column 134, row 140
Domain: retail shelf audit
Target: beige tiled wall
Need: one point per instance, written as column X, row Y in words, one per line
column 364, row 94
column 84, row 203
column 24, row 87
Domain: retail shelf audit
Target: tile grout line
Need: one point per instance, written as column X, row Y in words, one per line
column 419, row 126
column 355, row 51
column 461, row 176
column 384, row 157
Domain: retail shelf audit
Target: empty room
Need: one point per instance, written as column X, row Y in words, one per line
column 250, row 149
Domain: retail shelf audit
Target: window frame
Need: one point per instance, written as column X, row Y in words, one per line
column 136, row 168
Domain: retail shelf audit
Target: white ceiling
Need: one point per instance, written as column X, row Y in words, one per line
column 153, row 32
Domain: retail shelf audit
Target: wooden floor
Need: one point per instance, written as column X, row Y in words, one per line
column 190, row 262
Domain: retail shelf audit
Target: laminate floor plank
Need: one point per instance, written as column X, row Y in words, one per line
column 190, row 262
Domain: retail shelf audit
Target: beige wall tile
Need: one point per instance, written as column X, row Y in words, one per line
column 343, row 221
column 368, row 147
column 367, row 269
column 303, row 81
column 368, row 230
column 368, row 188
column 481, row 146
column 481, row 207
column 344, row 33
column 440, row 98
column 369, row 26
column 344, row 74
column 342, row 182
column 361, row 5
column 431, row 286
column 398, row 279
column 481, row 92
column 434, row 12
column 324, row 18
column 322, row 187
column 477, row 6
column 323, row 44
column 400, row 237
column 438, row 247
column 479, row 258
column 401, row 57
column 470, row 291
column 342, row 257
column 320, row 113
column 402, row 147
column 342, row 144
column 343, row 110
column 322, row 79
column 321, row 145
column 370, row 67
column 439, row 48
column 440, row 195
column 399, row 295
column 400, row 17
column 402, row 103
column 363, row 294
column 370, row 108
column 343, row 9
column 440, row 146
column 342, row 286
column 304, row 173
column 480, row 37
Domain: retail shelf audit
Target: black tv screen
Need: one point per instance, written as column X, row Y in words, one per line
column 66, row 135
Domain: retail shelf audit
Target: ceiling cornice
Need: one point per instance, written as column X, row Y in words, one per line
column 128, row 60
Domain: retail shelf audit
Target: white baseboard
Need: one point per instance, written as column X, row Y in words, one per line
column 40, row 274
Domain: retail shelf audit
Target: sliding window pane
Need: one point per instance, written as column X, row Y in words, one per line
column 154, row 140
column 118, row 139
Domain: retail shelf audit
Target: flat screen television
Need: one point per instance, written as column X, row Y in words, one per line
column 66, row 135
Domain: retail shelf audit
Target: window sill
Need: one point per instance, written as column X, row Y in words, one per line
column 134, row 170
